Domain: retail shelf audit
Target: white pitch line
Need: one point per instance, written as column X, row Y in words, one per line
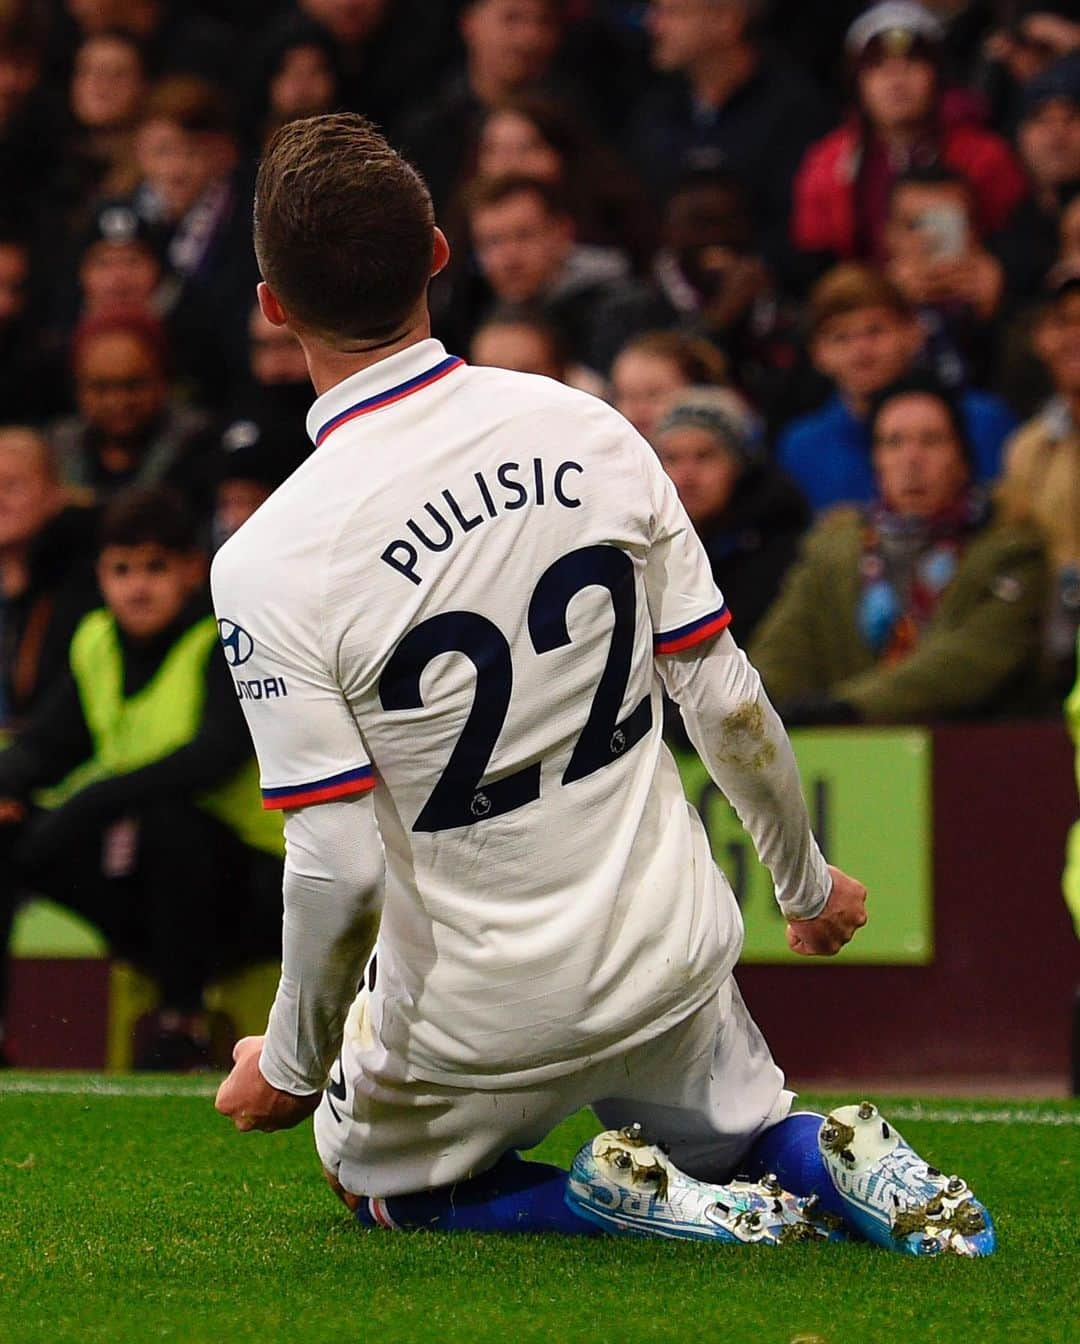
column 1003, row 1116
column 175, row 1088
column 105, row 1087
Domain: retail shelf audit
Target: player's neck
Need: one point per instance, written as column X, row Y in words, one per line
column 328, row 366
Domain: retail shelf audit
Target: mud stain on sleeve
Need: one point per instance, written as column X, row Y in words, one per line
column 743, row 740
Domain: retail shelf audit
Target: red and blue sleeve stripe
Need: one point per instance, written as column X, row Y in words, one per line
column 326, row 790
column 686, row 636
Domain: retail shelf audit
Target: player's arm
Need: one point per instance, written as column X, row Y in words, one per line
column 736, row 731
column 313, row 767
column 333, row 900
column 742, row 742
column 333, row 890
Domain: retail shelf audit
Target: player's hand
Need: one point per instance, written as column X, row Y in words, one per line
column 844, row 913
column 250, row 1101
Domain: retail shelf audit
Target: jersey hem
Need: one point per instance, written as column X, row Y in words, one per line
column 686, row 636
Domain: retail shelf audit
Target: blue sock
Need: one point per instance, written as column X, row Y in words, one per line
column 790, row 1150
column 514, row 1196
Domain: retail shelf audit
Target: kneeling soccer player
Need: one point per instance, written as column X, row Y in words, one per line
column 472, row 594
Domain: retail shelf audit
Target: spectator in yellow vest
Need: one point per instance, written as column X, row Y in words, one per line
column 160, row 839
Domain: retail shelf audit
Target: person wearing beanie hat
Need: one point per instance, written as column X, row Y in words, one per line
column 900, row 122
column 898, row 26
column 121, row 262
column 926, row 604
column 719, row 411
column 749, row 515
column 255, row 459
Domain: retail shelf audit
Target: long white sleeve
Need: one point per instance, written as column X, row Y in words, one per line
column 744, row 747
column 333, row 898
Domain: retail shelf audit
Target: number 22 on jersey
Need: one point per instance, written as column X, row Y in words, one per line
column 460, row 798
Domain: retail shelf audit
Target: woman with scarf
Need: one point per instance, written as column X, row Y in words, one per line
column 925, row 604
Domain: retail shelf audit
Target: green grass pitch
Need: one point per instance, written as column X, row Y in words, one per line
column 129, row 1211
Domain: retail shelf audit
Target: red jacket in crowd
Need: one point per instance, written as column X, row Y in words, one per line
column 824, row 217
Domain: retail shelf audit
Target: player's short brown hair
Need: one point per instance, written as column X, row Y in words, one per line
column 848, row 288
column 344, row 228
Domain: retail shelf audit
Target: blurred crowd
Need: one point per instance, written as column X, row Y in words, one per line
column 825, row 258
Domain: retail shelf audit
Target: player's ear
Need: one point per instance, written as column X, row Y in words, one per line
column 270, row 305
column 440, row 253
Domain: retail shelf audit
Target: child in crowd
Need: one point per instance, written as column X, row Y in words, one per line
column 160, row 839
column 863, row 336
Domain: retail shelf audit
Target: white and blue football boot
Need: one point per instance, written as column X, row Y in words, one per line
column 629, row 1187
column 892, row 1196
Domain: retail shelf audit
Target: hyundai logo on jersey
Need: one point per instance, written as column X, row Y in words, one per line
column 237, row 643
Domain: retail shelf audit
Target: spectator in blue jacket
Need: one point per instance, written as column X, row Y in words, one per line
column 863, row 336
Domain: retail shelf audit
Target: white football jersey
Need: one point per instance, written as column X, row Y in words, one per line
column 456, row 602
